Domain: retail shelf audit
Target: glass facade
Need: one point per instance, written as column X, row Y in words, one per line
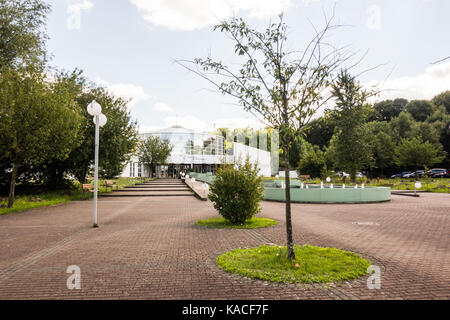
column 189, row 142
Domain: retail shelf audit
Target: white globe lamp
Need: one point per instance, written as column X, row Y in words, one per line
column 101, row 120
column 94, row 109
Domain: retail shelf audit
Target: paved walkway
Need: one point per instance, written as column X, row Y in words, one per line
column 150, row 248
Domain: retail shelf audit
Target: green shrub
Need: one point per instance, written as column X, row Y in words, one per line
column 237, row 192
column 313, row 163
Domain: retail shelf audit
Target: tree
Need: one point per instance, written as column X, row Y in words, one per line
column 416, row 153
column 118, row 138
column 352, row 142
column 427, row 131
column 313, row 163
column 383, row 150
column 37, row 123
column 388, row 109
column 282, row 88
column 154, row 151
column 443, row 99
column 22, row 40
column 237, row 191
column 402, row 126
column 419, row 109
column 320, row 131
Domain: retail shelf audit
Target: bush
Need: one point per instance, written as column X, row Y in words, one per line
column 313, row 163
column 237, row 192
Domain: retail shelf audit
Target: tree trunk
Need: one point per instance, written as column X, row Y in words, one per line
column 290, row 241
column 13, row 184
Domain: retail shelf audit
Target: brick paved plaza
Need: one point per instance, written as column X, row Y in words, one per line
column 150, row 248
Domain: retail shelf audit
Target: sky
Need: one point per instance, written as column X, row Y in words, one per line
column 129, row 46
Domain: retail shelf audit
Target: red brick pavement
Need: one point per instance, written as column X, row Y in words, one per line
column 150, row 248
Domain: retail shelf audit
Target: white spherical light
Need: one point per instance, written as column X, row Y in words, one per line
column 94, row 109
column 101, row 120
column 328, row 179
column 418, row 185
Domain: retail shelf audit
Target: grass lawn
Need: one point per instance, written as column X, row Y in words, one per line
column 312, row 264
column 430, row 185
column 31, row 201
column 221, row 223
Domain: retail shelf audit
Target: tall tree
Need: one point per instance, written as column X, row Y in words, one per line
column 282, row 88
column 22, row 37
column 154, row 151
column 383, row 145
column 37, row 122
column 118, row 138
column 352, row 141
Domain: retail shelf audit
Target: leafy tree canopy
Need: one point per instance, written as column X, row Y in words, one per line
column 22, row 38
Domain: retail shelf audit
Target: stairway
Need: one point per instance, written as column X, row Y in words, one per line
column 155, row 188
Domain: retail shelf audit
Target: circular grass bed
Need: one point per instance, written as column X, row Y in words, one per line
column 311, row 265
column 222, row 223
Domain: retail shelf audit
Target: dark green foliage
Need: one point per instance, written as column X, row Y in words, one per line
column 38, row 123
column 402, row 125
column 417, row 154
column 320, row 131
column 118, row 138
column 237, row 192
column 389, row 109
column 419, row 109
column 443, row 99
column 312, row 163
column 350, row 144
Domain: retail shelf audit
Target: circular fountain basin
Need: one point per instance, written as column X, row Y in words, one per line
column 315, row 194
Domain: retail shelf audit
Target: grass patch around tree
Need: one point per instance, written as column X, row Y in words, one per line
column 312, row 264
column 222, row 223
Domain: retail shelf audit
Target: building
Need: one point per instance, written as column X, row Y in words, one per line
column 197, row 151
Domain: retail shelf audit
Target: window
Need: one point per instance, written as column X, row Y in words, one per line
column 139, row 170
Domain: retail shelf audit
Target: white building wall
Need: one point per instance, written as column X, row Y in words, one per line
column 262, row 158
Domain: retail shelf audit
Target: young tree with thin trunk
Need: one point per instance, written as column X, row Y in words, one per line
column 283, row 88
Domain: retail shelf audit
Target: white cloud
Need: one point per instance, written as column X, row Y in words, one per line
column 162, row 107
column 433, row 81
column 374, row 17
column 126, row 90
column 74, row 9
column 190, row 15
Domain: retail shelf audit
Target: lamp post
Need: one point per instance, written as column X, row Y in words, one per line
column 417, row 185
column 95, row 110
